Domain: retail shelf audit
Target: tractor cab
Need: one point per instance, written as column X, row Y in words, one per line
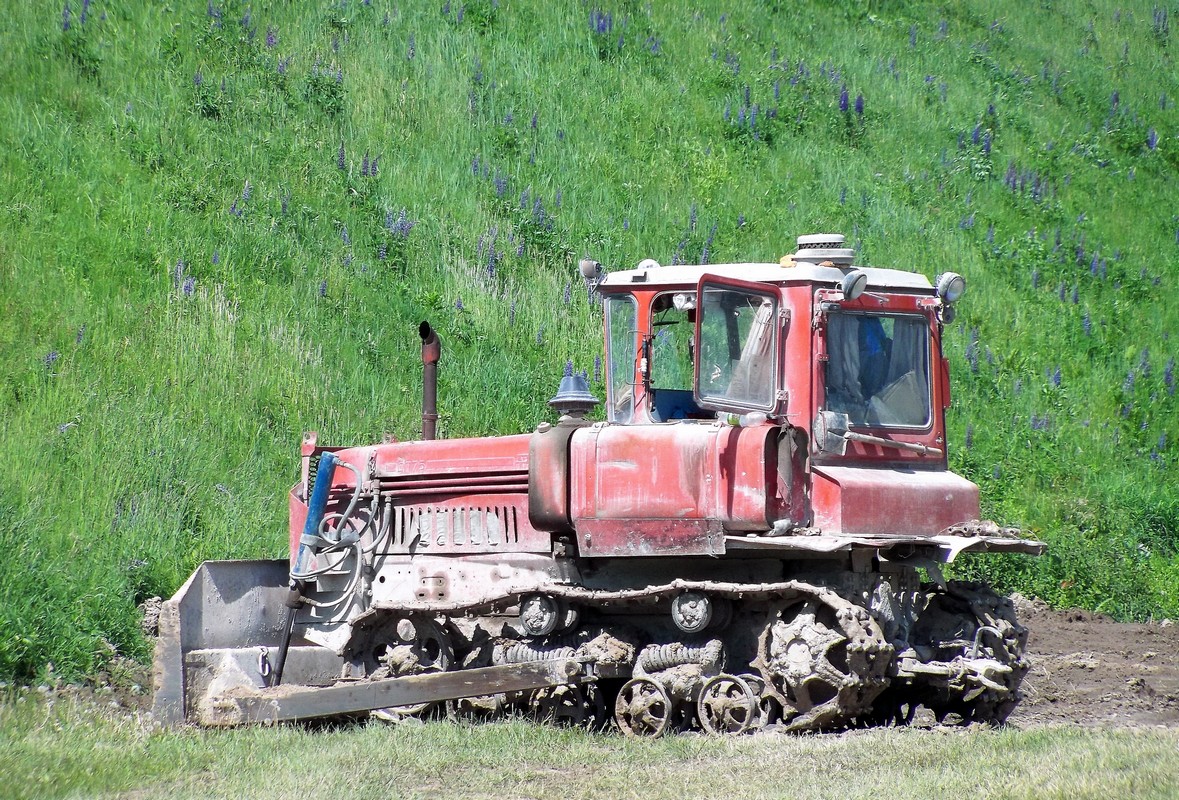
column 852, row 355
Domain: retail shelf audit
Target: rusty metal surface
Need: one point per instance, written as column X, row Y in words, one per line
column 296, row 703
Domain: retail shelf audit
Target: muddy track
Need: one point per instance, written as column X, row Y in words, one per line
column 1086, row 670
column 1089, row 670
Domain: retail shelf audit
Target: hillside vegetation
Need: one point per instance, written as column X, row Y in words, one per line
column 221, row 221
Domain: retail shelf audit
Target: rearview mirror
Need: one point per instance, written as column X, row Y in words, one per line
column 829, row 430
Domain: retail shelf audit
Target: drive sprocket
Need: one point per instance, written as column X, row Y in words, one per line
column 823, row 658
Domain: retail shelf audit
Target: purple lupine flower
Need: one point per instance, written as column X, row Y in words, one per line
column 189, row 286
column 247, row 190
column 534, row 120
column 323, row 288
column 411, row 50
column 598, row 368
column 1128, row 383
column 991, row 234
column 178, row 273
column 1076, row 296
column 1060, row 292
column 344, row 237
column 969, row 436
column 540, row 335
column 1114, row 101
column 382, row 251
column 568, row 368
column 986, row 147
column 1169, row 376
column 271, row 37
column 568, row 294
column 859, row 105
column 81, row 333
column 364, row 165
column 976, row 134
column 1056, row 377
column 341, row 160
column 65, row 17
column 286, row 202
column 1152, row 139
column 458, row 304
column 1087, row 324
column 198, row 78
column 50, row 358
column 1144, row 362
column 216, row 257
column 843, row 102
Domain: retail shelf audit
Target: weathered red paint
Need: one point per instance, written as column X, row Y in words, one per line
column 883, row 500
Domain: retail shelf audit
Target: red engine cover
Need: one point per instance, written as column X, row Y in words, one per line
column 670, row 489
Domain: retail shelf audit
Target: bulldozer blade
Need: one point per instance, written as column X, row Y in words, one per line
column 219, row 632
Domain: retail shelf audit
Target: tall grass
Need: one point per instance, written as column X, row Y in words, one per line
column 198, row 260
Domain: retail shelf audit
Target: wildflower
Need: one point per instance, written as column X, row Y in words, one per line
column 912, row 36
column 364, row 165
column 597, row 369
column 540, row 335
column 412, row 50
column 271, row 37
column 1169, row 376
column 50, row 359
column 216, row 257
column 458, row 304
column 198, row 78
column 189, row 286
column 859, row 105
column 81, row 333
column 382, row 252
column 344, row 237
column 1128, row 383
column 1056, row 377
column 1035, row 279
column 286, row 202
column 565, row 298
column 969, row 436
column 323, row 288
column 65, row 17
column 1152, row 139
column 341, row 161
column 843, row 100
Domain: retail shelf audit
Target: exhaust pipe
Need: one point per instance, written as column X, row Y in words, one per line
column 431, row 350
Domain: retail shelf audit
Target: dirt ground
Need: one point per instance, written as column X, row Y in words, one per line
column 1089, row 670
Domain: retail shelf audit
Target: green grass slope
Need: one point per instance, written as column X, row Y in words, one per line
column 220, row 223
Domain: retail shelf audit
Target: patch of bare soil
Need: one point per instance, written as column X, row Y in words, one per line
column 1089, row 670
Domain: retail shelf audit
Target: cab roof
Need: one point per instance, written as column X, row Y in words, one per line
column 685, row 276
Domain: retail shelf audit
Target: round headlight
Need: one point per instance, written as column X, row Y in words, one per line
column 950, row 286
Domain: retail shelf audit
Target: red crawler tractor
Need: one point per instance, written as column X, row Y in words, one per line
column 741, row 541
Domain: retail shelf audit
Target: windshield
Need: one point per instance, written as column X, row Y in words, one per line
column 878, row 369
